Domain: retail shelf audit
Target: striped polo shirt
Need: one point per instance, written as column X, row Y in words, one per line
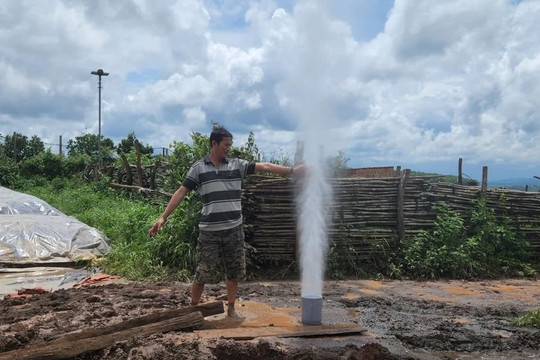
column 221, row 191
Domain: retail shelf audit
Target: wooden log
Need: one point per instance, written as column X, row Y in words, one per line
column 153, row 172
column 206, row 309
column 64, row 349
column 139, row 189
column 129, row 174
column 139, row 166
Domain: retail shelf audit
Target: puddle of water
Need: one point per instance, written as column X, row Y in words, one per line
column 12, row 280
column 369, row 291
column 438, row 298
column 262, row 320
column 374, row 284
column 455, row 290
column 513, row 291
column 255, row 315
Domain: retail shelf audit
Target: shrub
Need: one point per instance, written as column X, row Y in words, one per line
column 125, row 219
column 440, row 253
column 75, row 164
column 486, row 246
column 44, row 164
column 9, row 172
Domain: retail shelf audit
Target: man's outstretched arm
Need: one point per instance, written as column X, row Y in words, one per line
column 279, row 169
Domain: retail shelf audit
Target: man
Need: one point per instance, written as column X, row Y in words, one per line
column 221, row 236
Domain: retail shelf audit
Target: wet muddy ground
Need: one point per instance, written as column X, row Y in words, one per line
column 401, row 319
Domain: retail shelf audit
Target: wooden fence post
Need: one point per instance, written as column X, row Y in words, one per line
column 129, row 174
column 460, row 171
column 299, row 156
column 484, row 179
column 139, row 166
column 400, row 207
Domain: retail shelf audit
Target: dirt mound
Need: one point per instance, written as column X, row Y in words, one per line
column 168, row 348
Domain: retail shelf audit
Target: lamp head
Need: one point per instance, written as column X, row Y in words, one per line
column 99, row 72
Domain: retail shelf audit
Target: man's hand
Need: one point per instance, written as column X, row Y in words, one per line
column 300, row 170
column 155, row 228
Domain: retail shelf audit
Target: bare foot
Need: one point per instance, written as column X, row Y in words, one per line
column 233, row 314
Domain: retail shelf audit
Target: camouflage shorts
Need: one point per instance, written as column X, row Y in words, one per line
column 218, row 252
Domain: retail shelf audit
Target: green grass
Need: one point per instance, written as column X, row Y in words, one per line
column 530, row 319
column 125, row 220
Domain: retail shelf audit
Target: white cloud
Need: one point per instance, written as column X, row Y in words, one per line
column 441, row 80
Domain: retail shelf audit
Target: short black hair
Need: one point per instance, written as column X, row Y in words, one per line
column 218, row 133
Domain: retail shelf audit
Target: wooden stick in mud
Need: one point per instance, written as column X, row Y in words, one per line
column 74, row 344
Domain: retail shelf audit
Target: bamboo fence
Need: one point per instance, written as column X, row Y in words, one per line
column 367, row 216
column 373, row 215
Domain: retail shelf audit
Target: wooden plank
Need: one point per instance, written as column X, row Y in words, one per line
column 67, row 348
column 304, row 331
column 206, row 309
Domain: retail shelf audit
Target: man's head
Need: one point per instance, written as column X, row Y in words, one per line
column 218, row 133
column 220, row 141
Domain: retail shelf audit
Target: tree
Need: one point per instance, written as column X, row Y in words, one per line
column 9, row 172
column 35, row 146
column 128, row 144
column 44, row 164
column 18, row 147
column 88, row 144
column 249, row 151
column 337, row 165
column 2, row 151
column 184, row 156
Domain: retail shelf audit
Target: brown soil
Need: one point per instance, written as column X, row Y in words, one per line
column 402, row 319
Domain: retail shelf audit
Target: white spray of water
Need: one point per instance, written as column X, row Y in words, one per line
column 313, row 202
column 307, row 90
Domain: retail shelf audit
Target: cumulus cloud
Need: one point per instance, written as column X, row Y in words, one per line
column 436, row 81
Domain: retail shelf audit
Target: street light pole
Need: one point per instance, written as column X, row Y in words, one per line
column 99, row 73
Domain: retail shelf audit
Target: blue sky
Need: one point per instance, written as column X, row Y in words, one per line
column 417, row 84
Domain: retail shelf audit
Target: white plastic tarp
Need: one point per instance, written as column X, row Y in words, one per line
column 33, row 231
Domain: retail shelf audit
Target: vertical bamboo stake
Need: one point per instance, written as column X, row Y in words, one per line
column 400, row 200
column 484, row 179
column 460, row 171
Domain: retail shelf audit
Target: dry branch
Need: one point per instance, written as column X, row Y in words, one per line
column 139, row 189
